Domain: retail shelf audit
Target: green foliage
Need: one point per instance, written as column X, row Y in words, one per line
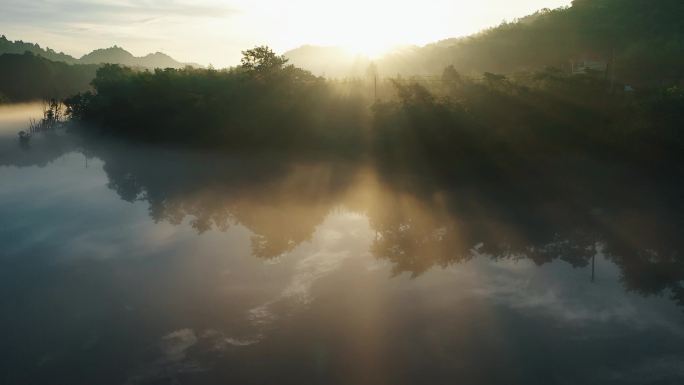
column 262, row 59
column 468, row 125
column 265, row 105
column 471, row 124
column 642, row 41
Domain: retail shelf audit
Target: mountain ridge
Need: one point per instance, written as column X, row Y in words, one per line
column 638, row 42
column 110, row 55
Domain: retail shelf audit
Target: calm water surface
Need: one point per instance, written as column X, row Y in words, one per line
column 122, row 264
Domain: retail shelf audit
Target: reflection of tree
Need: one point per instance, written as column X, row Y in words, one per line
column 280, row 201
column 648, row 248
column 431, row 222
column 418, row 235
column 39, row 151
column 423, row 224
column 413, row 236
column 418, row 229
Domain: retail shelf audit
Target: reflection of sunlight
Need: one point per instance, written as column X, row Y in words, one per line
column 328, row 240
column 335, row 241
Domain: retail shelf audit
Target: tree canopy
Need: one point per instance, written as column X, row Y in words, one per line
column 262, row 59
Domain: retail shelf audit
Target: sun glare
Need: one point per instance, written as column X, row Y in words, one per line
column 369, row 49
column 370, row 28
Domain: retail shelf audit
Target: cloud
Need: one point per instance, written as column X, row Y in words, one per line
column 173, row 362
column 340, row 237
column 44, row 12
column 175, row 344
column 182, row 28
column 555, row 291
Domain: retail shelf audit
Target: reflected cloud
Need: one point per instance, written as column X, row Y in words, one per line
column 256, row 254
column 176, row 344
column 416, row 224
column 329, row 248
column 567, row 296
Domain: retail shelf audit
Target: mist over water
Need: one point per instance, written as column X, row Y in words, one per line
column 15, row 117
column 499, row 208
column 134, row 264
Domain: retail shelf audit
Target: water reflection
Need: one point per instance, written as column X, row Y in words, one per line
column 418, row 224
column 472, row 285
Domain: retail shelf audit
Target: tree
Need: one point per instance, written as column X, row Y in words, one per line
column 111, row 75
column 450, row 76
column 262, row 59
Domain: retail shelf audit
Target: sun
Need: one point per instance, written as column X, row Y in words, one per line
column 369, row 28
column 362, row 27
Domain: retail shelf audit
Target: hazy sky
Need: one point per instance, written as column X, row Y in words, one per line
column 215, row 31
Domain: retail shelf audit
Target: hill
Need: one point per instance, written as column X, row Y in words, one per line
column 19, row 47
column 118, row 55
column 30, row 77
column 112, row 55
column 642, row 41
column 328, row 61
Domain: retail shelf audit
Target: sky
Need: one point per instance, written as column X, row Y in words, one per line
column 216, row 31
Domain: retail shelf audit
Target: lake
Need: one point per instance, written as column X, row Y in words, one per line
column 131, row 264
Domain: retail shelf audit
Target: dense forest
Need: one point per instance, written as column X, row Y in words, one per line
column 555, row 140
column 643, row 40
column 265, row 102
column 483, row 125
column 30, row 72
column 468, row 119
column 634, row 42
column 27, row 77
column 19, row 47
column 459, row 123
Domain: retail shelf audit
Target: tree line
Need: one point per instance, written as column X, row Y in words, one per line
column 264, row 102
column 472, row 123
column 27, row 77
column 641, row 42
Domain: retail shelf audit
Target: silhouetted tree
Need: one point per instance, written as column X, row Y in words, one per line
column 262, row 59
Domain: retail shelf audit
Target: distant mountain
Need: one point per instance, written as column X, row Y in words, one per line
column 112, row 55
column 161, row 60
column 118, row 55
column 638, row 41
column 19, row 47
